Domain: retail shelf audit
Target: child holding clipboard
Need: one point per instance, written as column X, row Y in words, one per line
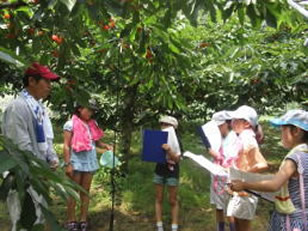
column 221, row 142
column 168, row 174
column 243, row 205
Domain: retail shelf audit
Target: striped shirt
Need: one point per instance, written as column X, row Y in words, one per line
column 279, row 221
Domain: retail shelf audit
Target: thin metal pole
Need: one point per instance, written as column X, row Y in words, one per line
column 112, row 177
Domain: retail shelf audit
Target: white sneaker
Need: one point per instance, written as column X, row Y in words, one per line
column 160, row 226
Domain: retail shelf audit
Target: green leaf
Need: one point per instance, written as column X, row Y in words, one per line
column 173, row 48
column 69, row 4
column 7, row 162
column 254, row 18
column 28, row 215
column 270, row 19
column 241, row 15
column 7, row 184
column 9, row 57
column 226, row 13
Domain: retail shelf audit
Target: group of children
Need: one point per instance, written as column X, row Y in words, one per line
column 26, row 123
column 241, row 135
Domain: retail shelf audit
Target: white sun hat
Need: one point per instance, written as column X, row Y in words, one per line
column 169, row 120
column 221, row 117
column 246, row 113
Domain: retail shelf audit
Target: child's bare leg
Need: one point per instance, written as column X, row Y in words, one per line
column 220, row 220
column 174, row 206
column 71, row 203
column 242, row 225
column 231, row 223
column 86, row 180
column 159, row 194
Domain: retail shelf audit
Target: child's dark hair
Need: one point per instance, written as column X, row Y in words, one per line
column 25, row 79
column 76, row 110
column 229, row 122
column 305, row 136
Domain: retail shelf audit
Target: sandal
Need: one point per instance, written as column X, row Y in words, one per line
column 72, row 226
column 83, row 226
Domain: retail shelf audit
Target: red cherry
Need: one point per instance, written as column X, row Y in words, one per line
column 6, row 16
column 111, row 23
column 139, row 29
column 106, row 27
column 203, row 45
column 71, row 82
column 31, row 31
column 55, row 53
column 10, row 36
column 101, row 50
column 35, row 1
column 149, row 54
column 255, row 81
column 60, row 40
column 57, row 39
column 54, row 37
column 40, row 33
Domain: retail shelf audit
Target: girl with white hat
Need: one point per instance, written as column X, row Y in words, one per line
column 243, row 206
column 168, row 174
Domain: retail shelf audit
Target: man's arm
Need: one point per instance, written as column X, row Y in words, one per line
column 15, row 126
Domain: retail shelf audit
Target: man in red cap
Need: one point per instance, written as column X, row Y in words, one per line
column 26, row 123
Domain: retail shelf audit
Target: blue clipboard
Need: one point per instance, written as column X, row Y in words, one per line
column 210, row 135
column 204, row 138
column 152, row 146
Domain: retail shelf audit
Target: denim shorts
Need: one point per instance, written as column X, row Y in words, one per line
column 170, row 181
column 84, row 161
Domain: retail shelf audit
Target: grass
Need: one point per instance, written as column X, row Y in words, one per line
column 134, row 208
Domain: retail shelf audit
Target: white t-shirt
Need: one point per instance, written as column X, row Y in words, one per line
column 230, row 145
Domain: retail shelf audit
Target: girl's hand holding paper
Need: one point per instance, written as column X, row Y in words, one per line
column 237, row 185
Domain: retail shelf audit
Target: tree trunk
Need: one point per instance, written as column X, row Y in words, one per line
column 127, row 123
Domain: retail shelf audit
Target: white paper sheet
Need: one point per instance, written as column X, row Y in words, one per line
column 235, row 174
column 215, row 169
column 213, row 135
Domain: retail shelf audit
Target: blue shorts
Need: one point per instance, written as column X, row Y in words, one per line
column 170, row 181
column 84, row 161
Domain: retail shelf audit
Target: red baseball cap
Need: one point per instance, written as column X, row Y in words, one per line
column 43, row 71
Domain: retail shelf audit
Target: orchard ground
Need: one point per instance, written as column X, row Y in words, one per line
column 134, row 207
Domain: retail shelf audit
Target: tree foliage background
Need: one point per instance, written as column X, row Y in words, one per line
column 144, row 58
column 140, row 59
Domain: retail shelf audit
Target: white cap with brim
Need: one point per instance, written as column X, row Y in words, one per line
column 298, row 118
column 246, row 113
column 221, row 117
column 169, row 120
